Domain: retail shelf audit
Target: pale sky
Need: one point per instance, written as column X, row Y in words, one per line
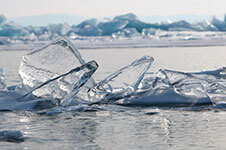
column 105, row 8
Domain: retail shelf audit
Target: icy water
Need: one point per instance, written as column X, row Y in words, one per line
column 117, row 127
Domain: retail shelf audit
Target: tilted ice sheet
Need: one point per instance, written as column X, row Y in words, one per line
column 163, row 88
column 67, row 84
column 54, row 70
column 123, row 82
column 168, row 88
column 50, row 61
column 63, row 88
column 215, row 83
column 210, row 83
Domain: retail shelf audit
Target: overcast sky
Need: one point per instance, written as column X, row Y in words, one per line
column 103, row 8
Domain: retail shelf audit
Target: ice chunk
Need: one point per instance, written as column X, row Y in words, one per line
column 183, row 83
column 205, row 26
column 128, row 32
column 170, row 88
column 129, row 16
column 149, row 32
column 48, row 62
column 215, row 83
column 67, row 84
column 163, row 97
column 88, row 28
column 112, row 26
column 2, row 19
column 10, row 29
column 11, row 136
column 123, row 82
column 49, row 71
column 207, row 84
column 2, row 82
column 220, row 25
column 60, row 29
column 89, row 22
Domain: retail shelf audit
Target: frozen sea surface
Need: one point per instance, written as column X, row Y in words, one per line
column 118, row 127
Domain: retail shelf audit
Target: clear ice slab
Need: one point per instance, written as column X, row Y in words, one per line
column 124, row 82
column 163, row 88
column 174, row 88
column 169, row 88
column 48, row 72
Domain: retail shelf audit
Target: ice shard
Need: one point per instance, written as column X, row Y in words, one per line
column 184, row 83
column 67, row 84
column 170, row 88
column 215, row 83
column 2, row 82
column 123, row 82
column 55, row 70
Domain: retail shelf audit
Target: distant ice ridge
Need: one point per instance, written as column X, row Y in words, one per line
column 57, row 76
column 123, row 26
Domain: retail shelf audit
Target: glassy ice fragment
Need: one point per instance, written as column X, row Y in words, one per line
column 66, row 85
column 170, row 88
column 123, row 82
column 48, row 62
column 184, row 83
column 48, row 72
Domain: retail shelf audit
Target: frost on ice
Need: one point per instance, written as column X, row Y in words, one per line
column 55, row 70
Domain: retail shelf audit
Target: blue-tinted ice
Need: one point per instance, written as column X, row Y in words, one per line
column 11, row 136
column 57, row 76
